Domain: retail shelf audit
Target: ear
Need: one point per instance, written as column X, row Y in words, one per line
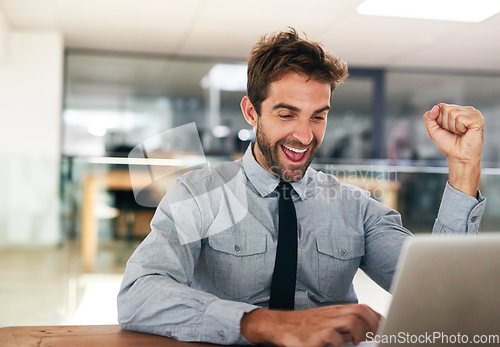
column 249, row 111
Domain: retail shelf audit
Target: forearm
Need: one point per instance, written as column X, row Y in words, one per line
column 255, row 325
column 464, row 176
column 151, row 304
column 157, row 297
column 263, row 326
column 159, row 305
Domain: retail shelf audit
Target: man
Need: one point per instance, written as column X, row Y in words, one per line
column 207, row 270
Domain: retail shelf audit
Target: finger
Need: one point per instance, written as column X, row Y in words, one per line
column 455, row 119
column 460, row 126
column 349, row 338
column 351, row 327
column 359, row 320
column 327, row 337
column 369, row 316
column 430, row 121
column 336, row 339
column 470, row 118
column 444, row 117
column 461, row 119
column 434, row 112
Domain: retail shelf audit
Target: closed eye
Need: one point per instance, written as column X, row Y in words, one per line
column 319, row 118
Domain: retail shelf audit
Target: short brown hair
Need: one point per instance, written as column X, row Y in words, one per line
column 285, row 52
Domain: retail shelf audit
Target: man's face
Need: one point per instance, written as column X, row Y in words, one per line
column 291, row 125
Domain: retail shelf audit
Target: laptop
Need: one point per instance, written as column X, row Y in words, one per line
column 446, row 292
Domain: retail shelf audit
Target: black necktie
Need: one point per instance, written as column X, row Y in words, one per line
column 285, row 267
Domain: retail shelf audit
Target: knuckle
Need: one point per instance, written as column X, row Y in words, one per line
column 362, row 307
column 365, row 306
column 445, row 108
column 455, row 112
column 352, row 320
column 337, row 340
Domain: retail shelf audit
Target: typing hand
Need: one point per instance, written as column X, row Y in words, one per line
column 458, row 133
column 332, row 325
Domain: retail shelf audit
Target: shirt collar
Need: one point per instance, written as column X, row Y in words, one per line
column 265, row 182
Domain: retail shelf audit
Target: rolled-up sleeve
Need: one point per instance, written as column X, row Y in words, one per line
column 459, row 212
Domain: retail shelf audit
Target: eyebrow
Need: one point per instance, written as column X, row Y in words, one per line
column 296, row 109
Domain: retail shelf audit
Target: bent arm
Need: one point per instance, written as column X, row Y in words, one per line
column 459, row 214
column 156, row 295
column 457, row 132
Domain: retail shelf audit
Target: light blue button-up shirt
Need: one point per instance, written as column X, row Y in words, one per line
column 210, row 255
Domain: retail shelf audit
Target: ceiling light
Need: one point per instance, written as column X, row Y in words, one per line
column 229, row 77
column 96, row 130
column 451, row 10
column 246, row 135
column 221, row 131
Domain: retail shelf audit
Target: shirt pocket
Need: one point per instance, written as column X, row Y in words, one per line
column 339, row 258
column 238, row 263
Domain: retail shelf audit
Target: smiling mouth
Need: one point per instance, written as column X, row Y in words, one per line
column 294, row 154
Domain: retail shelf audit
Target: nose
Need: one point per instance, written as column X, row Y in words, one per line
column 303, row 132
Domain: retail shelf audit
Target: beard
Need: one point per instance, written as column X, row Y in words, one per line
column 284, row 171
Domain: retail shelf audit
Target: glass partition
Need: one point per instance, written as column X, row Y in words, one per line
column 114, row 103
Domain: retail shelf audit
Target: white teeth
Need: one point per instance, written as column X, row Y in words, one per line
column 295, row 149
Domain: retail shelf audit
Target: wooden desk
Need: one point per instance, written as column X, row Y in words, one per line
column 84, row 336
column 113, row 179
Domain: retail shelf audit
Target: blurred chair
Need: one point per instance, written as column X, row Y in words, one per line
column 133, row 219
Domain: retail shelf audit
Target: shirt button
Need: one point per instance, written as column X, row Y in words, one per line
column 473, row 219
column 168, row 334
column 343, row 252
column 237, row 248
column 222, row 335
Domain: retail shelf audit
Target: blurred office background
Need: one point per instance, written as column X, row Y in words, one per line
column 83, row 82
